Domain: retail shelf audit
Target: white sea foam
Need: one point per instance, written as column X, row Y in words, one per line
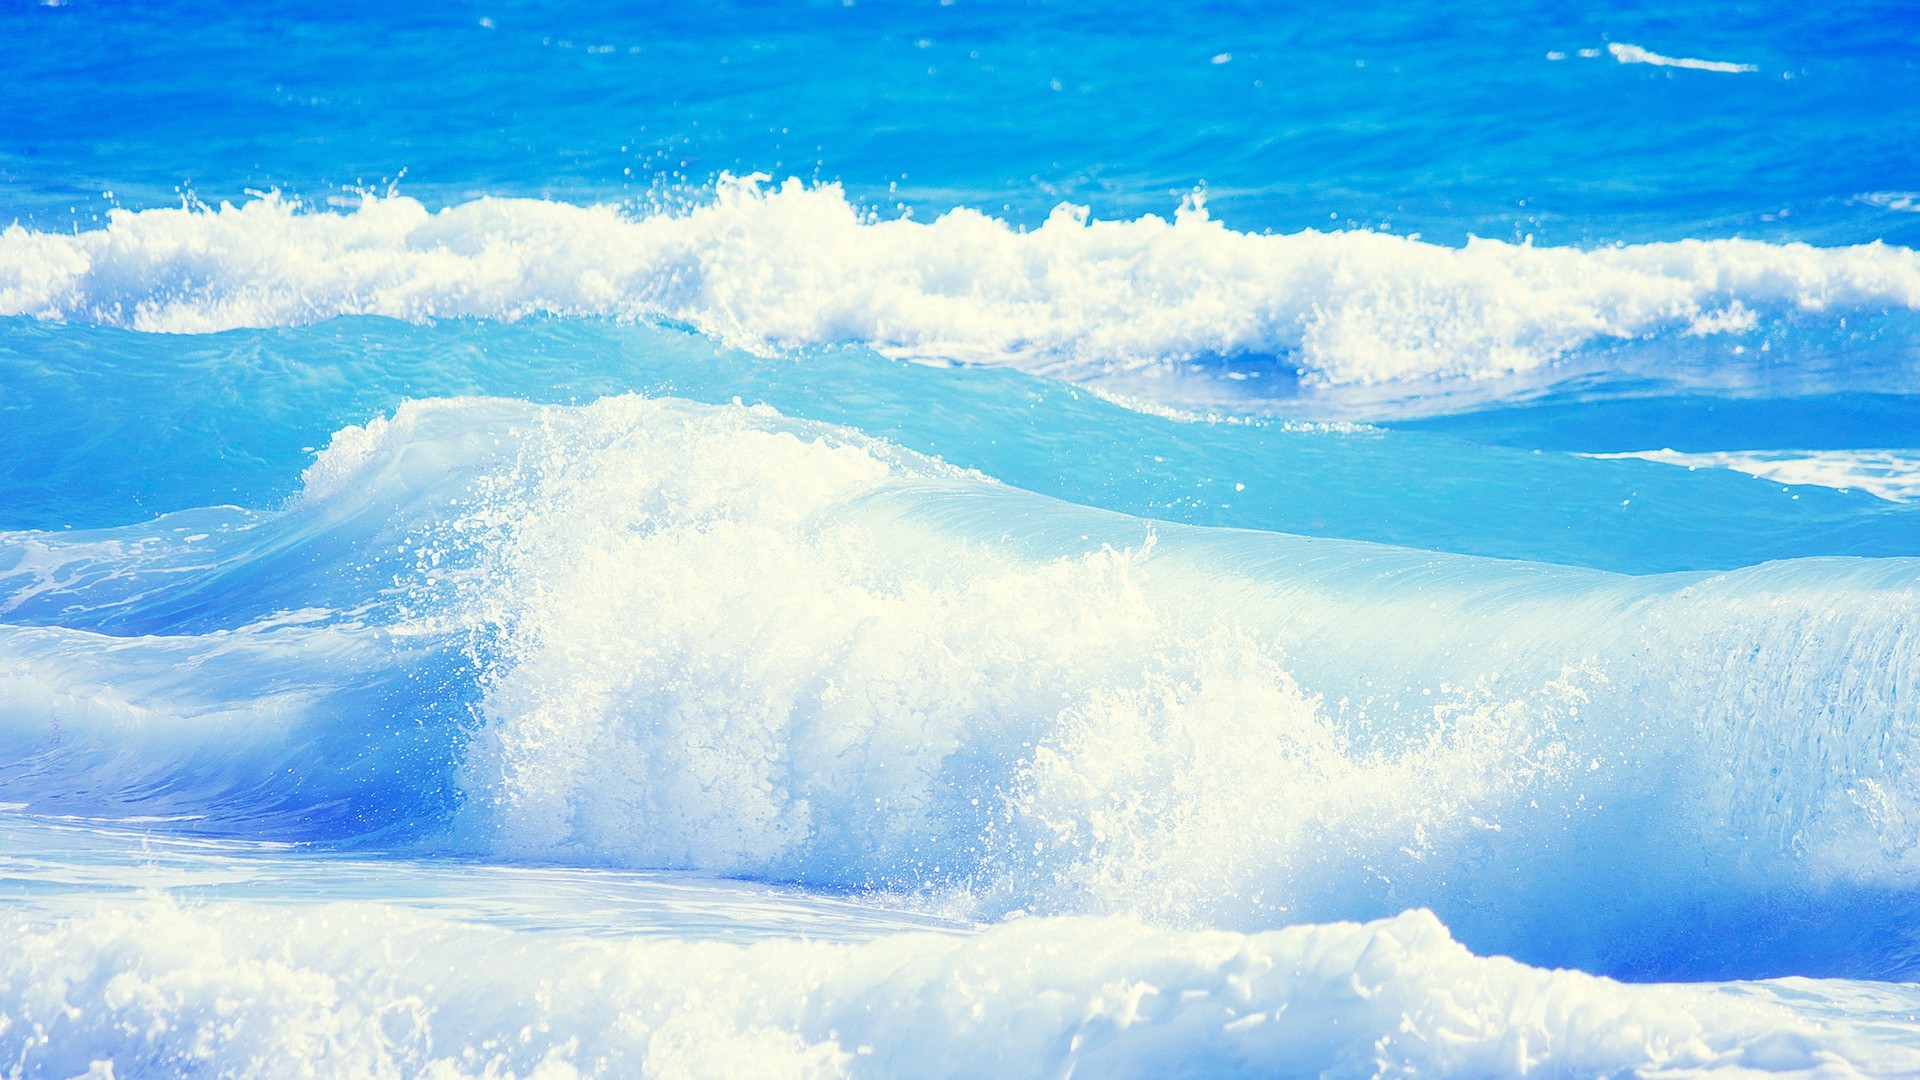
column 707, row 660
column 361, row 990
column 718, row 639
column 1893, row 475
column 715, row 638
column 1902, row 201
column 783, row 266
column 1634, row 54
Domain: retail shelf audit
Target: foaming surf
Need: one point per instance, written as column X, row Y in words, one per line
column 1150, row 559
column 356, row 989
column 1192, row 780
column 1893, row 475
column 786, row 266
column 1634, row 54
column 649, row 634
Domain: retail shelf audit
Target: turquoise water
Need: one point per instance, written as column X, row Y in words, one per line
column 959, row 539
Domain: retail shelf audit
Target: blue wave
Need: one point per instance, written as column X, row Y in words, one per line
column 1506, row 482
column 1138, row 307
column 651, row 634
column 859, row 539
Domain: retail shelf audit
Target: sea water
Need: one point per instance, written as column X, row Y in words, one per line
column 959, row 538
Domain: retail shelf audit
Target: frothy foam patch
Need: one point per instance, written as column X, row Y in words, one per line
column 1902, row 201
column 786, row 266
column 1634, row 54
column 1893, row 475
column 237, row 989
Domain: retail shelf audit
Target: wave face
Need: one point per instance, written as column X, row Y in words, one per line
column 1538, row 480
column 788, row 266
column 646, row 633
column 879, row 687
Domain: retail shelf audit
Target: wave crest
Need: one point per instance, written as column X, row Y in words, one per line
column 359, row 990
column 787, row 266
column 723, row 640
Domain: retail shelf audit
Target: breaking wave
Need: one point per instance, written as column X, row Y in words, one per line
column 651, row 634
column 788, row 266
column 361, row 990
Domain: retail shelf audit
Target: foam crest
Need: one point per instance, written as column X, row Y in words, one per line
column 653, row 634
column 1634, row 54
column 710, row 652
column 1893, row 475
column 788, row 266
column 719, row 639
column 239, row 989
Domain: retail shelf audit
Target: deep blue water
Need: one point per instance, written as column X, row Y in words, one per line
column 1447, row 119
column 1156, row 487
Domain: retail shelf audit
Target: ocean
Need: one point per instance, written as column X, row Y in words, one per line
column 959, row 538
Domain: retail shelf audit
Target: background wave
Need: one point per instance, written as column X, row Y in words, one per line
column 1121, row 303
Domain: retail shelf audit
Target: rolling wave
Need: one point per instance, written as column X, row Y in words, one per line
column 609, row 615
column 651, row 634
column 788, row 266
column 364, row 990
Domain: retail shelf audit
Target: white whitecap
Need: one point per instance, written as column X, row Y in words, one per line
column 1634, row 54
column 1902, row 201
column 1893, row 475
column 778, row 267
column 153, row 986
